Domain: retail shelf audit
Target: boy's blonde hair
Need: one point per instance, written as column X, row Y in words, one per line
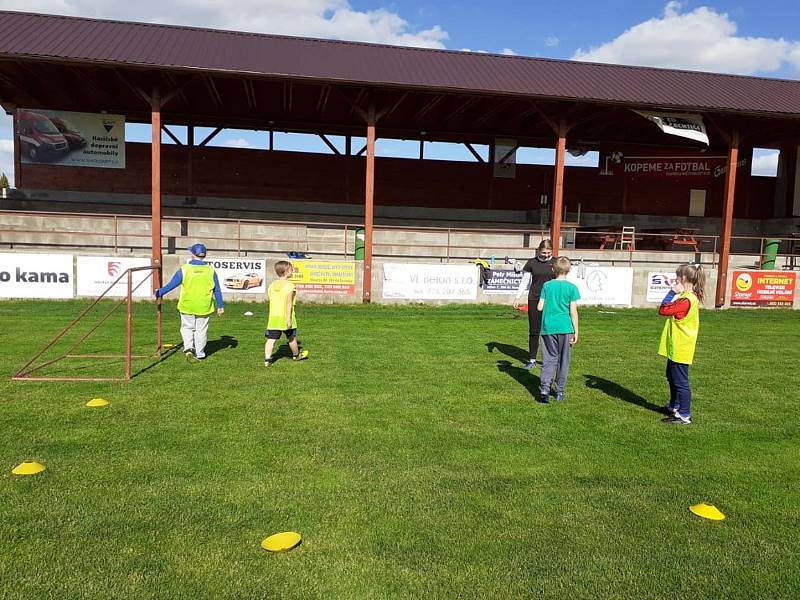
column 562, row 266
column 282, row 266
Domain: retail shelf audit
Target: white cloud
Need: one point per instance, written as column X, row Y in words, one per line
column 702, row 39
column 238, row 143
column 765, row 164
column 334, row 19
column 508, row 52
column 551, row 41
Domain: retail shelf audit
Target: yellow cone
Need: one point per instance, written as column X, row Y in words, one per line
column 95, row 402
column 281, row 542
column 707, row 511
column 28, row 467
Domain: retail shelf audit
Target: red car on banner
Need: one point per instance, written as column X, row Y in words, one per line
column 39, row 139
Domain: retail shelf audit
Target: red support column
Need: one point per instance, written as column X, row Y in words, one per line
column 727, row 221
column 155, row 166
column 17, row 156
column 368, row 207
column 190, row 160
column 558, row 187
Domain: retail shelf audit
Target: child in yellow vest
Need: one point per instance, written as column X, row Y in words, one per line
column 679, row 338
column 200, row 296
column 282, row 319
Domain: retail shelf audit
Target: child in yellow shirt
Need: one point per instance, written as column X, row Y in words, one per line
column 282, row 319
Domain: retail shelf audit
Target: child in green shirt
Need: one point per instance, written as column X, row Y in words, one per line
column 282, row 320
column 559, row 305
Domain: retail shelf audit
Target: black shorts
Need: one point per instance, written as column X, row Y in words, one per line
column 275, row 334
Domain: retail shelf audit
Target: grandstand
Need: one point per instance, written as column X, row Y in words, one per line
column 683, row 199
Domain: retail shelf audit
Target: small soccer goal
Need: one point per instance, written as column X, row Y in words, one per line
column 85, row 348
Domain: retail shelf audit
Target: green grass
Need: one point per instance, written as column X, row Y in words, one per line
column 413, row 461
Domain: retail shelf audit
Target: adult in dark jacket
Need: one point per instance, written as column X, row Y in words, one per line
column 537, row 271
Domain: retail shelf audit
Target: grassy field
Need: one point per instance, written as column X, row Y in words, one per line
column 410, row 454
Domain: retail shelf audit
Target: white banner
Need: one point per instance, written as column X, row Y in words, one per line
column 603, row 285
column 430, row 281
column 96, row 273
column 240, row 274
column 687, row 126
column 73, row 139
column 36, row 276
column 505, row 158
column 658, row 285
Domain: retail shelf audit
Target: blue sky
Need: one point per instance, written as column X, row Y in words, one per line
column 747, row 37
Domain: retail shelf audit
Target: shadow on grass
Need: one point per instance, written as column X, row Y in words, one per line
column 283, row 351
column 615, row 390
column 226, row 341
column 510, row 351
column 525, row 378
column 161, row 359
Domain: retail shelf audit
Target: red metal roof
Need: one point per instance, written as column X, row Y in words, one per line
column 83, row 40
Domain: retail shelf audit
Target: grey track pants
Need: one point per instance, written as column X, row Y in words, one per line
column 556, row 352
column 194, row 331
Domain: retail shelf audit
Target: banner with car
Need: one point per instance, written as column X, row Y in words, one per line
column 241, row 275
column 333, row 277
column 72, row 139
column 36, row 276
column 97, row 273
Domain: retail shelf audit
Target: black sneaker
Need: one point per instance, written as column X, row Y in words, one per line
column 668, row 410
column 545, row 399
column 268, row 362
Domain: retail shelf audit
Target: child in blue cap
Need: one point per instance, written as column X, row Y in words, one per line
column 200, row 296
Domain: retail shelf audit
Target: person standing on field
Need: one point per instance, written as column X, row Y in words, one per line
column 538, row 271
column 200, row 296
column 558, row 305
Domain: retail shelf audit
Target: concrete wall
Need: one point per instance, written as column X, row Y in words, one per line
column 657, row 262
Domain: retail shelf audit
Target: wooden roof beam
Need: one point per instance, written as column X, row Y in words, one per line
column 213, row 91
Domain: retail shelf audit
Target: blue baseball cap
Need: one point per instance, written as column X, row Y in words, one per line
column 198, row 250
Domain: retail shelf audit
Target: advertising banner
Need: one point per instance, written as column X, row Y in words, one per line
column 502, row 281
column 505, row 158
column 241, row 274
column 658, row 285
column 36, row 276
column 603, row 285
column 72, row 139
column 96, row 273
column 430, row 281
column 679, row 124
column 334, row 277
column 773, row 289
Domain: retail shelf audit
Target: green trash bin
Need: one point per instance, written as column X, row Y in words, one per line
column 360, row 237
column 771, row 248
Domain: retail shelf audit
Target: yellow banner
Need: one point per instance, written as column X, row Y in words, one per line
column 324, row 276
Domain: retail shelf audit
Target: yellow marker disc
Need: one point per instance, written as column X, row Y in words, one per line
column 167, row 346
column 707, row 511
column 281, row 542
column 28, row 467
column 95, row 402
